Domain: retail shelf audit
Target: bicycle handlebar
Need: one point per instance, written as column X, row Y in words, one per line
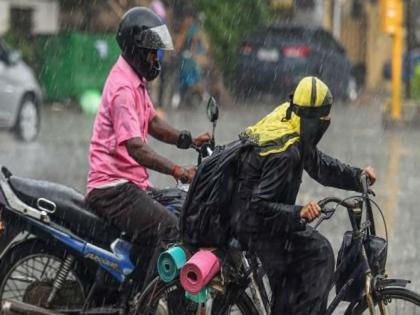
column 328, row 212
column 347, row 204
column 364, row 180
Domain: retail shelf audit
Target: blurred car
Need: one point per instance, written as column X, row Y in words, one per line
column 20, row 95
column 414, row 61
column 275, row 58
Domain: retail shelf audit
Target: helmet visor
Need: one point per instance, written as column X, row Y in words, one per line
column 155, row 38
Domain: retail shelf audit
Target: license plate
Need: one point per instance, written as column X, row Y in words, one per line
column 270, row 55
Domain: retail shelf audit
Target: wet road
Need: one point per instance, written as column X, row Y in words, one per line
column 355, row 136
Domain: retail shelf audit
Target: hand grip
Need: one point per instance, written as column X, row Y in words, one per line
column 365, row 181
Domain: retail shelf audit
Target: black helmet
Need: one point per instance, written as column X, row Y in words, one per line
column 140, row 32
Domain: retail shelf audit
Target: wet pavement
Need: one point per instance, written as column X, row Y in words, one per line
column 355, row 136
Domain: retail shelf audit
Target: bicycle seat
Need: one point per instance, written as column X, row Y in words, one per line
column 71, row 210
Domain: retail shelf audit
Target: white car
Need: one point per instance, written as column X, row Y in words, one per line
column 20, row 95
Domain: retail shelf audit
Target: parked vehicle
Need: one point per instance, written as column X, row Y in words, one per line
column 275, row 58
column 20, row 95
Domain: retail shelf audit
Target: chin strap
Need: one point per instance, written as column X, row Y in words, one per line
column 289, row 109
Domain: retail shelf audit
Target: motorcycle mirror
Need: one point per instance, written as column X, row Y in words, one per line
column 212, row 110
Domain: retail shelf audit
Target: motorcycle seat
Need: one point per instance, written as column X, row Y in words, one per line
column 71, row 211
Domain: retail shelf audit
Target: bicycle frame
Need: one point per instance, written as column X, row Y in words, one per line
column 258, row 290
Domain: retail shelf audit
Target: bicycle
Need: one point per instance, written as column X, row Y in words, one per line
column 359, row 278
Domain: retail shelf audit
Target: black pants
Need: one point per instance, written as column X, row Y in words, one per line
column 149, row 225
column 300, row 271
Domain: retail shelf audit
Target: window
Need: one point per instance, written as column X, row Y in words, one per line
column 21, row 20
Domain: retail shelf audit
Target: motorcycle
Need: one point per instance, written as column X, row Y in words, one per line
column 58, row 255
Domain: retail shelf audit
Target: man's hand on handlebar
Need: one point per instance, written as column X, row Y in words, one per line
column 370, row 172
column 310, row 212
column 184, row 174
column 201, row 139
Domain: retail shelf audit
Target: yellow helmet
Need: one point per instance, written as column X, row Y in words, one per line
column 312, row 99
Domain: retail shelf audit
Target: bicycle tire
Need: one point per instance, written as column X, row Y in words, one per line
column 154, row 292
column 243, row 303
column 391, row 294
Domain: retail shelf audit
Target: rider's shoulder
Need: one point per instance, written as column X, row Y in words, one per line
column 290, row 155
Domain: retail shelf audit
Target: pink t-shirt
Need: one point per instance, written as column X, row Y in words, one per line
column 125, row 113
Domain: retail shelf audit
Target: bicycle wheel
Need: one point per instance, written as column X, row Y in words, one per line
column 242, row 305
column 397, row 301
column 154, row 301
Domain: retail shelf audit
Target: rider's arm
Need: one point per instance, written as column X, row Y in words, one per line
column 126, row 124
column 276, row 176
column 145, row 156
column 329, row 171
column 162, row 131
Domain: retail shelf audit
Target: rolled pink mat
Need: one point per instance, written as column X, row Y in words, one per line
column 199, row 270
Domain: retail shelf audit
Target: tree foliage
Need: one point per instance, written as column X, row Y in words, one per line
column 227, row 23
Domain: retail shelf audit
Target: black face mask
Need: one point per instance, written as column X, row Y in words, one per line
column 311, row 132
column 138, row 61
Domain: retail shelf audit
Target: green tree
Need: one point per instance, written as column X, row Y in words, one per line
column 227, row 23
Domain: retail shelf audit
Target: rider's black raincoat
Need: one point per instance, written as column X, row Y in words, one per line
column 248, row 190
column 240, row 194
column 264, row 201
column 298, row 260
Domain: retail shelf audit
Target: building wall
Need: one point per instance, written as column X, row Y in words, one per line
column 45, row 14
column 353, row 34
column 4, row 16
column 46, row 17
column 328, row 12
column 379, row 48
column 362, row 38
column 312, row 16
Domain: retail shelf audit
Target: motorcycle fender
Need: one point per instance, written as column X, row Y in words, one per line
column 10, row 240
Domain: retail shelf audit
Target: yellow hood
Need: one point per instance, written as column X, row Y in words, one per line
column 273, row 134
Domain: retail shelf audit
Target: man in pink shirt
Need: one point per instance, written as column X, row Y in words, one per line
column 119, row 154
